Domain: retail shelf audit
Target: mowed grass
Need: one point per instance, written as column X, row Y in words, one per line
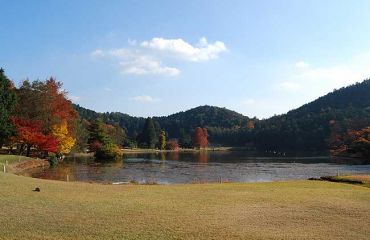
column 277, row 210
column 365, row 179
column 13, row 159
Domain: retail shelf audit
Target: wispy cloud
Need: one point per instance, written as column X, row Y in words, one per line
column 74, row 98
column 291, row 86
column 148, row 57
column 145, row 98
column 144, row 65
column 313, row 81
column 301, row 64
column 203, row 51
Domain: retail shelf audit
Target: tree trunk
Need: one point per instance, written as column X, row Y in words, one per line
column 21, row 147
column 28, row 150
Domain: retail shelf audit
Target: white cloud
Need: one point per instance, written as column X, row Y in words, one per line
column 310, row 82
column 179, row 48
column 147, row 57
column 144, row 65
column 74, row 98
column 145, row 98
column 290, row 85
column 97, row 53
column 301, row 64
column 249, row 102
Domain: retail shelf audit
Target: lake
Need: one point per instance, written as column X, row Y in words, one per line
column 185, row 167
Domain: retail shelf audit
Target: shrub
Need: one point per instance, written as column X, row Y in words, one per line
column 108, row 151
column 53, row 160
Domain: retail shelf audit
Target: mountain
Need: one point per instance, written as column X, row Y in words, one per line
column 178, row 125
column 313, row 126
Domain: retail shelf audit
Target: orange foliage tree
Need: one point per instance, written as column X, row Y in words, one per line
column 44, row 106
column 355, row 142
column 200, row 138
column 29, row 134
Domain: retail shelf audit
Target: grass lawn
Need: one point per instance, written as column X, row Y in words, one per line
column 365, row 179
column 278, row 210
column 13, row 159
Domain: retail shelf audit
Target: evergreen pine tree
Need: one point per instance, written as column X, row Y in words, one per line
column 149, row 136
column 7, row 105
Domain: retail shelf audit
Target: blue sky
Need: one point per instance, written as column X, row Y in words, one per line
column 147, row 58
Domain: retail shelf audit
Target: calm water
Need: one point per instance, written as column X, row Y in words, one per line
column 199, row 167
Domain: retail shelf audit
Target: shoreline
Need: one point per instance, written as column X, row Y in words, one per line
column 24, row 167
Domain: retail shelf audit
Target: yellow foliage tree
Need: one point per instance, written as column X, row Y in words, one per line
column 66, row 142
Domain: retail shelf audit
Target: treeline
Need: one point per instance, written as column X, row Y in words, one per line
column 38, row 116
column 38, row 119
column 312, row 127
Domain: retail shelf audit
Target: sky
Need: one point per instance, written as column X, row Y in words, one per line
column 155, row 58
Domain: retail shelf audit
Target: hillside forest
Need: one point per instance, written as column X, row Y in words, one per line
column 38, row 118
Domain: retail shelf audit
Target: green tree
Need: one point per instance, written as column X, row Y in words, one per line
column 149, row 137
column 162, row 140
column 100, row 142
column 7, row 105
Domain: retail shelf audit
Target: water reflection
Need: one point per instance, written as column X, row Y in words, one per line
column 176, row 167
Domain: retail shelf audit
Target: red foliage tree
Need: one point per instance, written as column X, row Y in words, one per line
column 172, row 145
column 29, row 134
column 41, row 106
column 200, row 138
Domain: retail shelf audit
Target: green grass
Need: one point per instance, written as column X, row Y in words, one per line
column 364, row 179
column 13, row 159
column 277, row 210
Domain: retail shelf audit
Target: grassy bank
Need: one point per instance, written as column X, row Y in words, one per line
column 278, row 210
column 19, row 164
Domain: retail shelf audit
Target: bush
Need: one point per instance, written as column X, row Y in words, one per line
column 53, row 160
column 108, row 151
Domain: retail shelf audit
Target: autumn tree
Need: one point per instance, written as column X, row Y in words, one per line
column 101, row 143
column 162, row 140
column 172, row 145
column 60, row 133
column 29, row 134
column 45, row 103
column 200, row 138
column 7, row 105
column 116, row 133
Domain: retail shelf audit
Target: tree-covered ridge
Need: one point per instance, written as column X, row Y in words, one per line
column 313, row 126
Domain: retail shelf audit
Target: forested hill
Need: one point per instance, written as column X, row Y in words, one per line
column 210, row 117
column 178, row 125
column 314, row 126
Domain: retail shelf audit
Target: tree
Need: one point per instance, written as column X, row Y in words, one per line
column 116, row 133
column 172, row 145
column 45, row 107
column 82, row 135
column 7, row 105
column 60, row 133
column 162, row 140
column 101, row 143
column 354, row 142
column 148, row 136
column 29, row 134
column 200, row 137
